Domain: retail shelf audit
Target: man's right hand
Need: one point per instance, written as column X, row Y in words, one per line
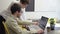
column 40, row 31
column 35, row 23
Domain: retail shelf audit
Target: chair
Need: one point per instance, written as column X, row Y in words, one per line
column 6, row 28
column 2, row 29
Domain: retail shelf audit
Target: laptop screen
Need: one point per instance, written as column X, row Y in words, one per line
column 42, row 22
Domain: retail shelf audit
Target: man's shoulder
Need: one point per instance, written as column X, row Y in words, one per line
column 10, row 19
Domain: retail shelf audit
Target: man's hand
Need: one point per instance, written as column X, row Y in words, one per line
column 40, row 31
column 35, row 23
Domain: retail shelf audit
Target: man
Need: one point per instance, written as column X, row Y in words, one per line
column 13, row 23
column 7, row 12
column 23, row 4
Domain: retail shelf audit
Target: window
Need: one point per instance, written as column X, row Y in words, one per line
column 30, row 7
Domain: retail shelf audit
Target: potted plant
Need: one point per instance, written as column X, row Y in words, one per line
column 52, row 23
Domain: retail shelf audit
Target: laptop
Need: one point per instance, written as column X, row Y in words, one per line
column 42, row 22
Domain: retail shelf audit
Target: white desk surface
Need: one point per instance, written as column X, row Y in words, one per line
column 56, row 31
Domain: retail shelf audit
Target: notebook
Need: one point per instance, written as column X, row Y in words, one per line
column 42, row 22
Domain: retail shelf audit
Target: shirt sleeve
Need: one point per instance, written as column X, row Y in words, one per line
column 15, row 27
column 24, row 22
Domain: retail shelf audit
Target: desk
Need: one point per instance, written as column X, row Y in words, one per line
column 56, row 31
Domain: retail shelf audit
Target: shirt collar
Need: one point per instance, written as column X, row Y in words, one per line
column 14, row 17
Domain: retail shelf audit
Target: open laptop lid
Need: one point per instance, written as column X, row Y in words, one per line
column 42, row 22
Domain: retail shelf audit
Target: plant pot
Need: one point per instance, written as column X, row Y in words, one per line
column 52, row 26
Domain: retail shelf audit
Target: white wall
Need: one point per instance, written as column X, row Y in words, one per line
column 4, row 4
column 37, row 15
column 45, row 5
column 58, row 9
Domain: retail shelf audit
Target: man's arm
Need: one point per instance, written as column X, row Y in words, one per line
column 15, row 27
column 24, row 22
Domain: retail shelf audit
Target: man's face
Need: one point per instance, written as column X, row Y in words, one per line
column 19, row 13
column 23, row 5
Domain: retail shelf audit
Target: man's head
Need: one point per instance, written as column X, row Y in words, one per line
column 15, row 9
column 24, row 3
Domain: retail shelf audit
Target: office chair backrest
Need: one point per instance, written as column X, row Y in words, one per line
column 6, row 28
column 2, row 29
